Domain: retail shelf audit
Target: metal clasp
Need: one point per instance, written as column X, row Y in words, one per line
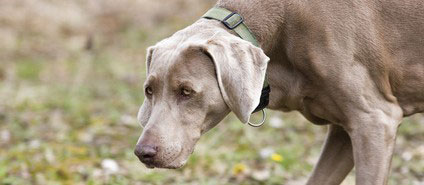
column 260, row 123
column 229, row 25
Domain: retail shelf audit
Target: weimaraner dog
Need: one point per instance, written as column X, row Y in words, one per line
column 355, row 65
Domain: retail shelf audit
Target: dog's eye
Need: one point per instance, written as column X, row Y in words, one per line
column 149, row 91
column 185, row 92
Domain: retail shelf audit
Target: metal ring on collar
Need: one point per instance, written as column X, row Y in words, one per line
column 261, row 123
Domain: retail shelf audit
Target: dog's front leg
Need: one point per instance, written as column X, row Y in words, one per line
column 336, row 159
column 373, row 138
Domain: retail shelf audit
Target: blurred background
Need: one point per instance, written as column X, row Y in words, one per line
column 71, row 75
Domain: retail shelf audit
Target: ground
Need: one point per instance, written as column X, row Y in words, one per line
column 71, row 75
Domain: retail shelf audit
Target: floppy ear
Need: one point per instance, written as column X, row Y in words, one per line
column 240, row 69
column 144, row 113
column 145, row 109
column 149, row 58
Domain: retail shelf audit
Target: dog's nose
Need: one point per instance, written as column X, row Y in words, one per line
column 145, row 152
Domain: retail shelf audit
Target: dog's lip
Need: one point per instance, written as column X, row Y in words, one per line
column 152, row 163
column 149, row 166
column 175, row 163
column 149, row 163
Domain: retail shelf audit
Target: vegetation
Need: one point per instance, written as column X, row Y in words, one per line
column 71, row 74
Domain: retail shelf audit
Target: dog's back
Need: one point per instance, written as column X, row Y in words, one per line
column 402, row 32
column 387, row 36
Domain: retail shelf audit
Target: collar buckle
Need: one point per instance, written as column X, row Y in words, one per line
column 233, row 20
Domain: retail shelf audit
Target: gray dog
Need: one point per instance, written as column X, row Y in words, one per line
column 355, row 65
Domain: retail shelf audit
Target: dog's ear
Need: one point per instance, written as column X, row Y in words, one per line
column 240, row 69
column 149, row 58
column 145, row 109
column 144, row 113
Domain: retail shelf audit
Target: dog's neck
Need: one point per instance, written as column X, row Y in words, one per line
column 272, row 21
column 264, row 19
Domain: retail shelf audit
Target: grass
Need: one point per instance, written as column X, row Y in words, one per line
column 67, row 111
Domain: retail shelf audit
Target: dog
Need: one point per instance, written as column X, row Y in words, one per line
column 357, row 66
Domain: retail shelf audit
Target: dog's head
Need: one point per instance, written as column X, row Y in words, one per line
column 194, row 79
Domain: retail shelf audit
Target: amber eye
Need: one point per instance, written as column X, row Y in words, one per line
column 185, row 92
column 149, row 91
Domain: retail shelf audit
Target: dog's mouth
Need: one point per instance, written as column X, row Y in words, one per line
column 149, row 163
column 174, row 163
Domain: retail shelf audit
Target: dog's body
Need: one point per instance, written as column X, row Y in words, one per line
column 356, row 65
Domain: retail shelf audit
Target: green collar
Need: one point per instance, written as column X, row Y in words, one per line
column 235, row 21
column 232, row 21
